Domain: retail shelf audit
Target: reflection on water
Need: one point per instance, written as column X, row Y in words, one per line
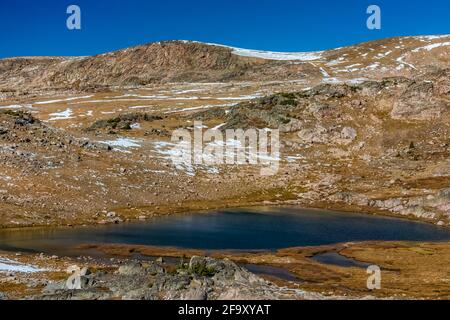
column 337, row 259
column 239, row 229
column 280, row 273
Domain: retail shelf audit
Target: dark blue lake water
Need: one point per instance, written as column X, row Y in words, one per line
column 238, row 229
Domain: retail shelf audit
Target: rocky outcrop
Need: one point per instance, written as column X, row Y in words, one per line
column 123, row 121
column 418, row 102
column 202, row 278
column 434, row 206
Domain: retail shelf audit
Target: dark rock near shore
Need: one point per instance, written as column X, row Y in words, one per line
column 202, row 278
column 124, row 121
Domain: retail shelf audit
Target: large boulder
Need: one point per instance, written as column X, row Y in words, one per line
column 418, row 102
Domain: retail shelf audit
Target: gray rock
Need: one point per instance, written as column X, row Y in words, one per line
column 417, row 102
column 204, row 278
column 53, row 287
column 87, row 281
column 111, row 214
column 349, row 133
column 131, row 269
column 196, row 294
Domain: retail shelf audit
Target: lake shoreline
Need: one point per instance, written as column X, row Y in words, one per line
column 133, row 218
column 401, row 280
column 232, row 229
column 292, row 267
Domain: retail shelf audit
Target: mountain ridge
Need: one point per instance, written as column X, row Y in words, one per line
column 192, row 61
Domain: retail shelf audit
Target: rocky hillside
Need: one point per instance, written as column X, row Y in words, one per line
column 363, row 128
column 397, row 99
column 185, row 61
column 384, row 144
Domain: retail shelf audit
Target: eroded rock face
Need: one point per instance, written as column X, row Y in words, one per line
column 418, row 102
column 432, row 206
column 201, row 279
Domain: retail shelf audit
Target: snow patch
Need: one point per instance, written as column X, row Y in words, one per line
column 283, row 56
column 324, row 73
column 331, row 80
column 432, row 46
column 17, row 106
column 7, row 265
column 403, row 63
column 219, row 126
column 432, row 37
column 373, row 66
column 122, row 143
column 140, row 107
column 248, row 97
column 269, row 55
column 62, row 100
column 201, row 107
column 66, row 114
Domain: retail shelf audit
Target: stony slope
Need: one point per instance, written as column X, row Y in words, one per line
column 178, row 61
column 375, row 140
column 379, row 145
column 363, row 128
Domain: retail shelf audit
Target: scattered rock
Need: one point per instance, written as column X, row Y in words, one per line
column 111, row 214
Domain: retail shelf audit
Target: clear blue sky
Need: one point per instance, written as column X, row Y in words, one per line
column 38, row 27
